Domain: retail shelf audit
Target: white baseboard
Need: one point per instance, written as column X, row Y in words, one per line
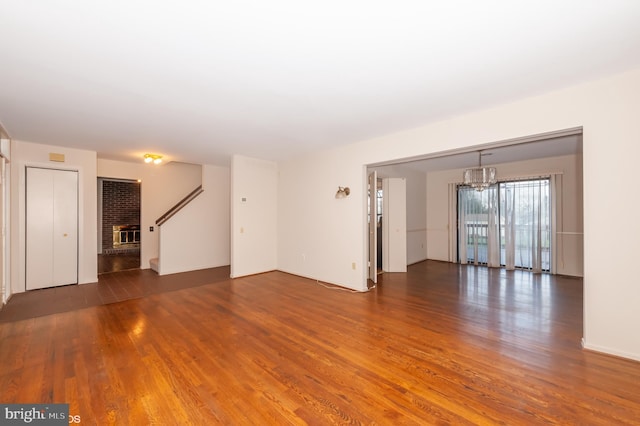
column 609, row 351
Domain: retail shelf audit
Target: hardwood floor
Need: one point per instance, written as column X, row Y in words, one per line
column 118, row 262
column 442, row 344
column 110, row 288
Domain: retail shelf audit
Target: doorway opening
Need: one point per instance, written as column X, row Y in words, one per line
column 553, row 160
column 387, row 224
column 119, row 236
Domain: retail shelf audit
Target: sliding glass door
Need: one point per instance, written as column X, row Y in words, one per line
column 474, row 212
column 508, row 224
column 526, row 224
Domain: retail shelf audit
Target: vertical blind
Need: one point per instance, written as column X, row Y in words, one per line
column 508, row 224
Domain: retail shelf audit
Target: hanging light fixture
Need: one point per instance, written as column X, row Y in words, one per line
column 480, row 178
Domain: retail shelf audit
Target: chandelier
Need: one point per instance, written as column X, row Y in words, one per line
column 480, row 178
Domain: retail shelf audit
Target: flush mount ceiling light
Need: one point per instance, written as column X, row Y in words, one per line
column 156, row 159
column 480, row 178
column 343, row 192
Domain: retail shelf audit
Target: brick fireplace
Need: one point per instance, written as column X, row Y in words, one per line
column 120, row 216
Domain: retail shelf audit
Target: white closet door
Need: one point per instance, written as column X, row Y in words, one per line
column 51, row 228
column 65, row 228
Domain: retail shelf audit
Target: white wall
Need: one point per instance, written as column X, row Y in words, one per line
column 438, row 227
column 197, row 237
column 25, row 154
column 319, row 236
column 394, row 225
column 569, row 256
column 416, row 217
column 254, row 201
column 416, row 208
column 161, row 188
column 332, row 233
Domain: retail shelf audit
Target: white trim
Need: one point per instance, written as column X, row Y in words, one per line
column 609, row 351
column 481, row 147
column 21, row 283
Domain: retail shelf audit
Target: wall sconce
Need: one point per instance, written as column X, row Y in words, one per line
column 343, row 192
column 156, row 159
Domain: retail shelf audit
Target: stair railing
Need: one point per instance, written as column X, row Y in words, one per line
column 182, row 203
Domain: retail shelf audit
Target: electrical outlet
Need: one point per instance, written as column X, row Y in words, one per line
column 353, row 266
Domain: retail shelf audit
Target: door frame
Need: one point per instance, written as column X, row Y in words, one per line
column 74, row 229
column 372, row 217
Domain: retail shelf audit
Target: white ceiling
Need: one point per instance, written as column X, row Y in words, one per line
column 200, row 80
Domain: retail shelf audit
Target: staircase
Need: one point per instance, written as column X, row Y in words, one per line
column 154, row 263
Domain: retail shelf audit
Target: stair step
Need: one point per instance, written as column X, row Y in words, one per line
column 154, row 264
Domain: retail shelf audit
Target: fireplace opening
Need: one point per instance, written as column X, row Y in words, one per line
column 126, row 236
